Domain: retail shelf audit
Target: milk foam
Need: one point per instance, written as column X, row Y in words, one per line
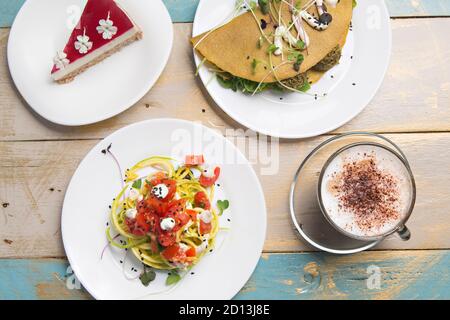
column 386, row 162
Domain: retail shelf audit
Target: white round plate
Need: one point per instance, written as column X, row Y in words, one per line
column 342, row 93
column 42, row 27
column 221, row 273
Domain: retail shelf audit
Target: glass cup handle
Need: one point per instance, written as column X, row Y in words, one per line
column 404, row 233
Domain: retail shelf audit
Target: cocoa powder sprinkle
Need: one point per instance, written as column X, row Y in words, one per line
column 370, row 193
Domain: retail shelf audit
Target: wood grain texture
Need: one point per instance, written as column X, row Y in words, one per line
column 403, row 275
column 184, row 10
column 34, row 176
column 414, row 97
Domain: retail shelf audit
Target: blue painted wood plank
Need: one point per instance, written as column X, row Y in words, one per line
column 184, row 10
column 8, row 10
column 180, row 10
column 372, row 275
column 369, row 275
column 418, row 8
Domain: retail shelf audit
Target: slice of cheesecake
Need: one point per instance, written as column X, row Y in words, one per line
column 104, row 28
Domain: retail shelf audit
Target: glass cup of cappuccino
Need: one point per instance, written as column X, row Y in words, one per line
column 367, row 191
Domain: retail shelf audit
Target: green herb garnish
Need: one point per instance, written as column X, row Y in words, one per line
column 252, row 5
column 147, row 276
column 260, row 42
column 137, row 184
column 306, row 86
column 254, row 65
column 264, row 5
column 222, row 205
column 297, row 58
column 172, row 278
column 300, row 44
column 354, row 3
column 272, row 48
column 228, row 81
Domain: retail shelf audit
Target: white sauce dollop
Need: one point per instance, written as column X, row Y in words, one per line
column 160, row 191
column 184, row 247
column 278, row 41
column 332, row 3
column 131, row 213
column 282, row 33
column 202, row 247
column 134, row 194
column 206, row 216
column 208, row 172
column 167, row 224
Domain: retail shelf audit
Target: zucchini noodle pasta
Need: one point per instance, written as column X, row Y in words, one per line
column 166, row 216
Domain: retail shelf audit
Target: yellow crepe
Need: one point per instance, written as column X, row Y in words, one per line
column 234, row 46
column 314, row 75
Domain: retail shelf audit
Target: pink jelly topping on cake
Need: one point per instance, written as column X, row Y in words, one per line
column 95, row 11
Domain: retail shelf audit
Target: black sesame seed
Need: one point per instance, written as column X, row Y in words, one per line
column 263, row 24
column 192, row 272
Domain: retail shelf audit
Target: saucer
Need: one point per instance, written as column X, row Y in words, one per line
column 303, row 199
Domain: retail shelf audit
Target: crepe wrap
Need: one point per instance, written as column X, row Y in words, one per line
column 233, row 46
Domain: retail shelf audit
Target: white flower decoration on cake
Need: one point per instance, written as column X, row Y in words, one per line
column 83, row 45
column 107, row 28
column 60, row 60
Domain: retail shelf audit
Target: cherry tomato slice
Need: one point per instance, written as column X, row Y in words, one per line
column 170, row 252
column 134, row 228
column 174, row 253
column 142, row 223
column 172, row 186
column 175, row 206
column 194, row 160
column 159, row 207
column 182, row 218
column 191, row 252
column 202, row 201
column 192, row 214
column 205, row 228
column 166, row 239
column 209, row 181
column 154, row 244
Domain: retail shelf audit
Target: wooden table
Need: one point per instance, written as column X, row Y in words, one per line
column 38, row 158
